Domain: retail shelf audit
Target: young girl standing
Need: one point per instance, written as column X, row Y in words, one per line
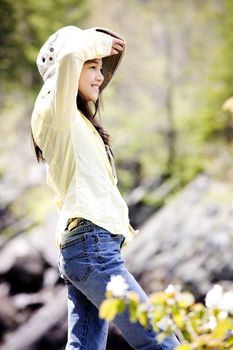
column 76, row 65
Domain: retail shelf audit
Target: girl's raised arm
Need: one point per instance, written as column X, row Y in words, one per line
column 87, row 45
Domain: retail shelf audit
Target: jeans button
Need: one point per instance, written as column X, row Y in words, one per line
column 96, row 239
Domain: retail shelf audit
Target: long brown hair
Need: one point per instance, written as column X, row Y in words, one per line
column 85, row 108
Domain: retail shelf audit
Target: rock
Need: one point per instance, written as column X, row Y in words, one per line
column 189, row 241
column 25, row 300
column 24, row 260
column 26, row 275
column 42, row 324
column 42, row 238
column 159, row 188
column 7, row 310
column 22, row 266
column 15, row 249
column 51, row 277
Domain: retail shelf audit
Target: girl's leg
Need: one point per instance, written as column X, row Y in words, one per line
column 86, row 331
column 136, row 335
column 89, row 263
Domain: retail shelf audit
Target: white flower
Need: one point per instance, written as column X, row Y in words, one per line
column 226, row 302
column 212, row 323
column 117, row 286
column 165, row 323
column 214, row 297
column 171, row 289
column 223, row 315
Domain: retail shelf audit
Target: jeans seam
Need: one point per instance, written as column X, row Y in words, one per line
column 89, row 267
column 72, row 242
column 86, row 329
column 102, row 261
column 106, row 269
column 97, row 251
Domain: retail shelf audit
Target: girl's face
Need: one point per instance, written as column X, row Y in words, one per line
column 90, row 79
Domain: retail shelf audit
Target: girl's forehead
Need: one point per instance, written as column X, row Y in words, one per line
column 95, row 60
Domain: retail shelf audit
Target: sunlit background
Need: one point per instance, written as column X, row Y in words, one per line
column 172, row 141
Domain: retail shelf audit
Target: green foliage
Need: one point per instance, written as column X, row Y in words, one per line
column 198, row 326
column 172, row 89
column 35, row 203
column 24, row 26
column 210, row 122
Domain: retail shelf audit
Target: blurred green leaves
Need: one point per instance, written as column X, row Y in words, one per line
column 24, row 26
column 164, row 107
column 198, row 326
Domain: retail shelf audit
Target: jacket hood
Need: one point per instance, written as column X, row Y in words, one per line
column 53, row 47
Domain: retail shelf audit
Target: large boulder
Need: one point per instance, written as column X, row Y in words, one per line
column 188, row 242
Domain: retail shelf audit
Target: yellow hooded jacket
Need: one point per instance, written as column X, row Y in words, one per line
column 78, row 168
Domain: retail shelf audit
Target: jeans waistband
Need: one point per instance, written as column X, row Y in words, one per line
column 72, row 232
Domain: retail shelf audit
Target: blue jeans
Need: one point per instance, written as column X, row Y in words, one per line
column 89, row 255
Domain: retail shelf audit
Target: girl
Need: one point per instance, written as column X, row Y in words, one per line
column 76, row 65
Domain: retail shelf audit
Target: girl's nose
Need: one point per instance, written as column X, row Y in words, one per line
column 100, row 76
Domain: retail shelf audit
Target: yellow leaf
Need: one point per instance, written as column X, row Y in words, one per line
column 143, row 319
column 159, row 298
column 179, row 320
column 108, row 309
column 198, row 307
column 222, row 328
column 157, row 314
column 120, row 305
column 133, row 297
column 132, row 312
column 142, row 315
column 108, row 294
column 133, row 304
column 183, row 347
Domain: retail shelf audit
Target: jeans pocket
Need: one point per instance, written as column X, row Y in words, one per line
column 75, row 260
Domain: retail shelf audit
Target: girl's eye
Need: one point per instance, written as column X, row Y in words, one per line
column 96, row 68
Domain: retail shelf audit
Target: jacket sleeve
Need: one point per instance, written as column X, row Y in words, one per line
column 88, row 45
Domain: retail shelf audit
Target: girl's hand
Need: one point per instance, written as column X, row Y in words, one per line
column 117, row 46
